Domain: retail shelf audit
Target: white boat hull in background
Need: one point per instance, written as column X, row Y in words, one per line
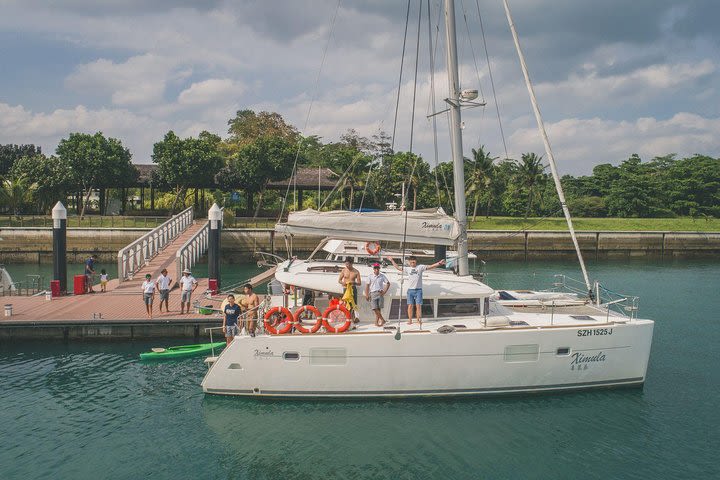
column 476, row 362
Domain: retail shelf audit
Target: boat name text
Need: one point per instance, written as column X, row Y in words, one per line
column 263, row 353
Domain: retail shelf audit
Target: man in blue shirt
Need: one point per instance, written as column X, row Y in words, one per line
column 231, row 312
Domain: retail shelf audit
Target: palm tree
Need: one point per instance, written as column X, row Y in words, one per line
column 15, row 192
column 530, row 174
column 480, row 177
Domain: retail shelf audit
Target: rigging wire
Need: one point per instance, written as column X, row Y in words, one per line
column 492, row 81
column 472, row 50
column 412, row 171
column 402, row 63
column 431, row 107
column 331, row 32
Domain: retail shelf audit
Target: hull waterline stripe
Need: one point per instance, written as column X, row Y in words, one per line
column 455, row 391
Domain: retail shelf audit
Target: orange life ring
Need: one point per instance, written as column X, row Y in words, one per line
column 342, row 327
column 318, row 323
column 372, row 248
column 288, row 321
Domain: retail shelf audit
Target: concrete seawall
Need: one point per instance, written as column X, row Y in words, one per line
column 30, row 245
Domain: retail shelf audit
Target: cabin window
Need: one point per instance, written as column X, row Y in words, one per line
column 328, row 356
column 458, row 307
column 291, row 356
column 521, row 353
column 428, row 310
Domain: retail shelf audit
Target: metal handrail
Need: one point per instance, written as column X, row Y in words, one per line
column 191, row 251
column 141, row 251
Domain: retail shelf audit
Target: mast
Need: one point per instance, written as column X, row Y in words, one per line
column 456, row 136
column 546, row 141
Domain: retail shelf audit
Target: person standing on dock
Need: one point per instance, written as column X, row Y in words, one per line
column 188, row 284
column 414, row 273
column 103, row 280
column 251, row 303
column 375, row 290
column 148, row 288
column 90, row 273
column 163, row 285
column 231, row 313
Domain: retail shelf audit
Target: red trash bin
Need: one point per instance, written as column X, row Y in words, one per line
column 55, row 288
column 79, row 284
column 213, row 285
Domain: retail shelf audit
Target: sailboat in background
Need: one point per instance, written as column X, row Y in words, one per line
column 471, row 342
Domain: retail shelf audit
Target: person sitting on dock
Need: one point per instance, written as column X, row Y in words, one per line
column 148, row 288
column 414, row 273
column 231, row 313
column 90, row 273
column 375, row 290
column 188, row 284
column 251, row 303
column 163, row 284
column 350, row 275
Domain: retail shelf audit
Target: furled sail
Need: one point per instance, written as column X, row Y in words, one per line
column 431, row 226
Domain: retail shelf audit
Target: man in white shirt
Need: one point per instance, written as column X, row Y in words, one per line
column 163, row 284
column 375, row 290
column 148, row 288
column 414, row 274
column 188, row 284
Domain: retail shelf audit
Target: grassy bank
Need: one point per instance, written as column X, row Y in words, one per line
column 90, row 221
column 594, row 224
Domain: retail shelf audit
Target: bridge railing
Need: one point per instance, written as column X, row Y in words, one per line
column 191, row 251
column 133, row 257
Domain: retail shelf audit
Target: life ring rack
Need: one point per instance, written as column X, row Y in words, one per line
column 372, row 248
column 289, row 320
column 302, row 328
column 341, row 328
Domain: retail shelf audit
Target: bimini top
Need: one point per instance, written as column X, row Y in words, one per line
column 431, row 226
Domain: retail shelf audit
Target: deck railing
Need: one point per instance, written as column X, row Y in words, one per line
column 141, row 251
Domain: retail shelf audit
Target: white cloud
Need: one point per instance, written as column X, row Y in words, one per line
column 211, row 91
column 580, row 144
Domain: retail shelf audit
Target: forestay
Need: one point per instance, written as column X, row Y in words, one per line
column 431, row 226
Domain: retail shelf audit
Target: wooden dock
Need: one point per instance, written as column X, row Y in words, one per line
column 117, row 313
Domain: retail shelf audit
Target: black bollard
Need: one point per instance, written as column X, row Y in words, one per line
column 59, row 216
column 215, row 219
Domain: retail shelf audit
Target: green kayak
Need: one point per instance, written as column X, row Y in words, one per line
column 181, row 351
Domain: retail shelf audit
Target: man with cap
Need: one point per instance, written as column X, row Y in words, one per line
column 148, row 288
column 188, row 284
column 375, row 289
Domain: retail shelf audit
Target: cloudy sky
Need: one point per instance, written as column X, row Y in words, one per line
column 612, row 77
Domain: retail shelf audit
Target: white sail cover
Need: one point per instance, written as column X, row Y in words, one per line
column 429, row 226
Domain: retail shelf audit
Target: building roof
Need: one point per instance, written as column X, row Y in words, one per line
column 309, row 178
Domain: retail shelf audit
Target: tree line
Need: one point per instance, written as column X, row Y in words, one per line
column 261, row 148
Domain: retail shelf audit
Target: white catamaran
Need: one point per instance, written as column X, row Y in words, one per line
column 472, row 341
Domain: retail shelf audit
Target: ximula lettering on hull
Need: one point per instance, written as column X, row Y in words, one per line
column 435, row 226
column 580, row 361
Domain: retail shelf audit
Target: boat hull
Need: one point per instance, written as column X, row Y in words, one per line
column 480, row 362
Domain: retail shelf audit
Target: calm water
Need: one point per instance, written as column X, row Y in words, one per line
column 91, row 410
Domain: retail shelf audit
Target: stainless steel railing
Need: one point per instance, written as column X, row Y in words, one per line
column 141, row 251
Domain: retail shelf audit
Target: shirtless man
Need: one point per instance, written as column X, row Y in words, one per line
column 350, row 274
column 250, row 303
